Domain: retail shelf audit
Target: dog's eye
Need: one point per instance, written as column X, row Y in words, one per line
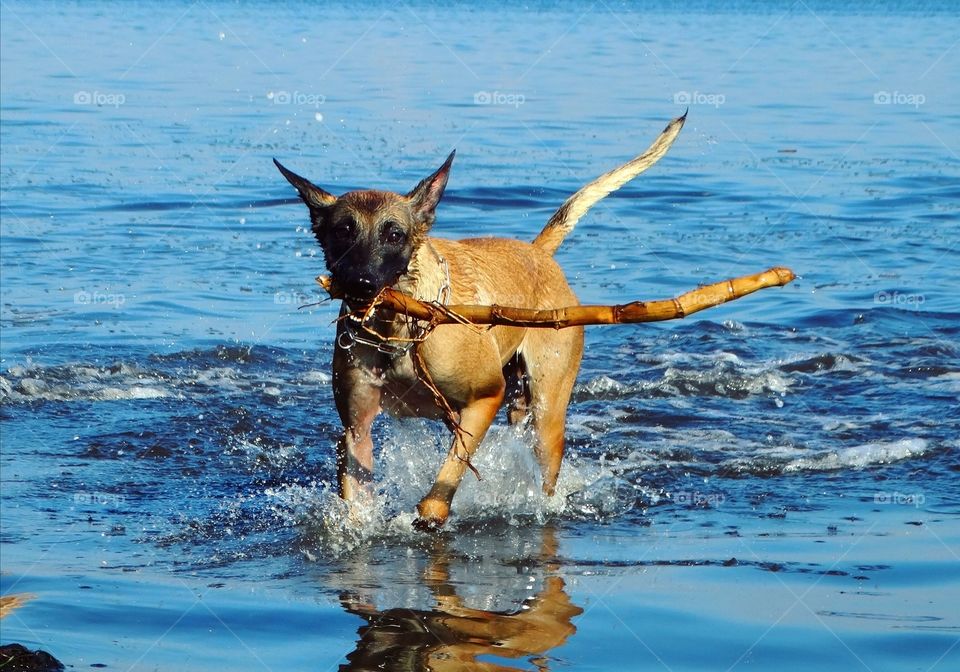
column 393, row 234
column 342, row 229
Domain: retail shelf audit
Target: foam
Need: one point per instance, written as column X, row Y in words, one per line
column 721, row 374
column 316, row 378
column 116, row 382
column 861, row 456
column 77, row 384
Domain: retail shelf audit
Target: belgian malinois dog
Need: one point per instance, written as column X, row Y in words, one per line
column 374, row 239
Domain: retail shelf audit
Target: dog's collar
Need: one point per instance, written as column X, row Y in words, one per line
column 443, row 294
column 354, row 331
column 351, row 336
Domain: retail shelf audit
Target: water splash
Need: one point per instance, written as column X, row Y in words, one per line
column 509, row 493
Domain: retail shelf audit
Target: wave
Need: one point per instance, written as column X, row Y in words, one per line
column 686, row 375
column 859, row 457
column 82, row 382
column 760, row 460
column 225, row 369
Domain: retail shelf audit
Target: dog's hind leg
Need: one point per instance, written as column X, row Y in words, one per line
column 553, row 360
column 517, row 396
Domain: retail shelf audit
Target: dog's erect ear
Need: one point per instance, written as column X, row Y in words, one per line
column 312, row 195
column 425, row 196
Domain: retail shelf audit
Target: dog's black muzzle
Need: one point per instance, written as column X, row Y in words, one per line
column 362, row 288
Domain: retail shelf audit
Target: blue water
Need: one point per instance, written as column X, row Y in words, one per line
column 772, row 484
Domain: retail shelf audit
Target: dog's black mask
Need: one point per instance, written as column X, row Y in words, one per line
column 368, row 236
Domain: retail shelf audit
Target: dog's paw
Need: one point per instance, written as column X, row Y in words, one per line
column 431, row 515
column 427, row 525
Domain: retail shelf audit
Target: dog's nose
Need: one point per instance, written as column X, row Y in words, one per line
column 364, row 287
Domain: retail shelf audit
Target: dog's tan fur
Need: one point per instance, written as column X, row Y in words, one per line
column 474, row 369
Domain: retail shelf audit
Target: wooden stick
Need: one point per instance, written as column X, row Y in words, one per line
column 691, row 302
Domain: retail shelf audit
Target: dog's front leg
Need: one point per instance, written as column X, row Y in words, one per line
column 475, row 419
column 357, row 393
column 354, row 461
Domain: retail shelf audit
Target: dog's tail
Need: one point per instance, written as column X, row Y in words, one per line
column 576, row 206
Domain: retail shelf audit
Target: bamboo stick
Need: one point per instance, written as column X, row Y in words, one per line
column 706, row 296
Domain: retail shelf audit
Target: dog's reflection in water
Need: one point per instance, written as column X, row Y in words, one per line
column 453, row 636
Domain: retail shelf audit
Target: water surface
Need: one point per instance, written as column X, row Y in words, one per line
column 772, row 484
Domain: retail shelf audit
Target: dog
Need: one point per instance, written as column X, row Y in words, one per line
column 374, row 239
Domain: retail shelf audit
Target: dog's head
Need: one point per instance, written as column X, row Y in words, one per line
column 368, row 237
